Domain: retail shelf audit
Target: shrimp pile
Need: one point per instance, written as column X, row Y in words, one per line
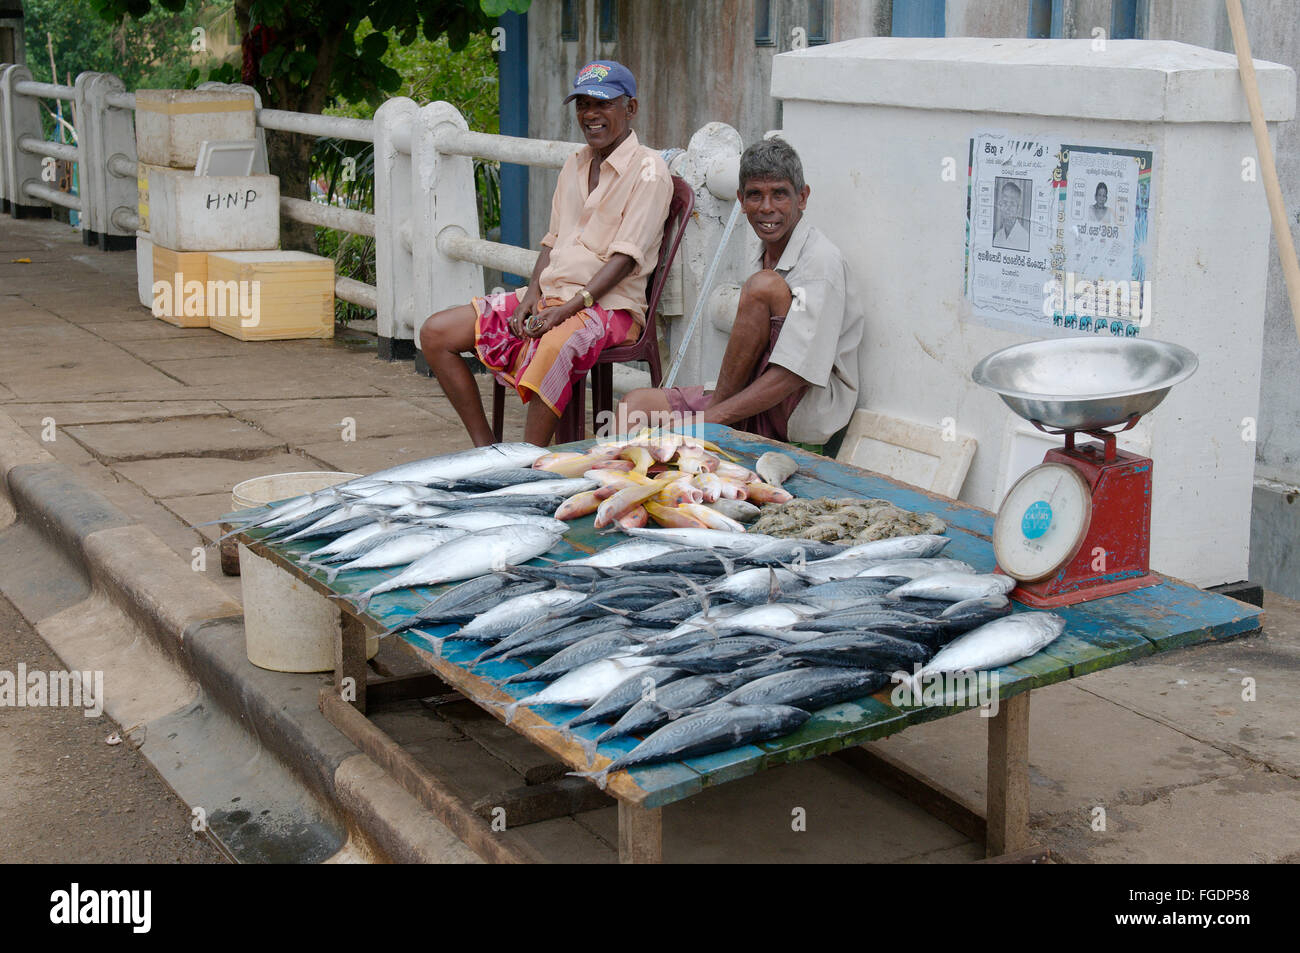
column 844, row 520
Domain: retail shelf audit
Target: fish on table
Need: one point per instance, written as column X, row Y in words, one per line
column 1000, row 642
column 473, row 554
column 716, row 727
column 696, row 634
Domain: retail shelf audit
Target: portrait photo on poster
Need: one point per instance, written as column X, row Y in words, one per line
column 1011, row 216
column 1100, row 210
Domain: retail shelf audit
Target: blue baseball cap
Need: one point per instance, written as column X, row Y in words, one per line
column 603, row 79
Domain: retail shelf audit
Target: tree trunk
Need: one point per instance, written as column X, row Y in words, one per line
column 289, row 155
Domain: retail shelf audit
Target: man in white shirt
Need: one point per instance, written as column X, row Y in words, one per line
column 1008, row 229
column 790, row 370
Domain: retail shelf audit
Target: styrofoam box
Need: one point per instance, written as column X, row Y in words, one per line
column 170, row 124
column 189, row 212
column 142, row 170
column 144, row 267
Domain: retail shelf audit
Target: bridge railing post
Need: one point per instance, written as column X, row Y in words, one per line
column 21, row 117
column 442, row 197
column 90, row 165
column 6, row 160
column 394, row 264
column 712, row 148
column 112, row 138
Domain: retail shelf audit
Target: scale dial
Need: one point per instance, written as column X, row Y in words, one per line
column 1042, row 522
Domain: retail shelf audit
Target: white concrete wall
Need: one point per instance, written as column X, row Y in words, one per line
column 981, row 18
column 1274, row 31
column 876, row 154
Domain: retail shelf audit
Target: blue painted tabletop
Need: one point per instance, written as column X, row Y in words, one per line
column 1099, row 634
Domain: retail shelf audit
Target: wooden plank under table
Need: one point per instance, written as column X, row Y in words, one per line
column 1098, row 635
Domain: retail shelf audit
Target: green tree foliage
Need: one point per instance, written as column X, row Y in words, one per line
column 429, row 70
column 310, row 51
column 152, row 51
column 301, row 55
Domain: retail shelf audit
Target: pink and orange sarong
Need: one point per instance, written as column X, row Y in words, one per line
column 550, row 365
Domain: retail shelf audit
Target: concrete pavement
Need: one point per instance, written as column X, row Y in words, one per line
column 1188, row 756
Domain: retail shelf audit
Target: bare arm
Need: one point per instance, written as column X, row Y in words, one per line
column 528, row 303
column 773, row 386
column 602, row 282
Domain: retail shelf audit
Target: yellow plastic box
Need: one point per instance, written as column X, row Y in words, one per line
column 180, row 287
column 282, row 294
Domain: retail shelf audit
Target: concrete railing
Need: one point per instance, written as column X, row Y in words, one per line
column 429, row 253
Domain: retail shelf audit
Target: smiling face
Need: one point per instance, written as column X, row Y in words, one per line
column 1101, row 194
column 773, row 208
column 604, row 122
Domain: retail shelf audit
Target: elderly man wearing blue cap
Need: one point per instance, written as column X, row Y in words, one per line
column 588, row 289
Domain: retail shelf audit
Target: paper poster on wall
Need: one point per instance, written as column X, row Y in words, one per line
column 1056, row 235
column 1010, row 223
column 1106, row 196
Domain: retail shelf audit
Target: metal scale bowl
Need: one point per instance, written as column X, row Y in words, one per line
column 1078, row 526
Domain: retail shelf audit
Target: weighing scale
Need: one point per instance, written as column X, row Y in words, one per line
column 1078, row 526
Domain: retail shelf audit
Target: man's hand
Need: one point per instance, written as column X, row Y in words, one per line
column 544, row 320
column 523, row 310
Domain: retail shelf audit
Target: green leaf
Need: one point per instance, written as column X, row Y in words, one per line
column 494, row 8
column 520, row 6
column 271, row 61
column 374, row 46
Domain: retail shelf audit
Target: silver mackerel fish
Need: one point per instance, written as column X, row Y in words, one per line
column 473, row 554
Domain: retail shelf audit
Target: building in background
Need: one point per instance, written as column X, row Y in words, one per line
column 12, row 48
column 698, row 61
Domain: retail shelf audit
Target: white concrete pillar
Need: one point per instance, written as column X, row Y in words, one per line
column 114, row 136
column 443, row 199
column 394, row 266
column 19, row 116
column 711, row 149
column 91, row 163
column 877, row 122
column 105, row 138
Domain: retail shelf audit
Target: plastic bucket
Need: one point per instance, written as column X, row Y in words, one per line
column 282, row 486
column 288, row 626
column 268, row 489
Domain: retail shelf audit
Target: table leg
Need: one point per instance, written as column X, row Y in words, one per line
column 1007, row 808
column 640, row 834
column 350, row 662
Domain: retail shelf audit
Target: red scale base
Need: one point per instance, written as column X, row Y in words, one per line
column 1114, row 556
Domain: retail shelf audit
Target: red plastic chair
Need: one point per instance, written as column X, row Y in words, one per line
column 570, row 427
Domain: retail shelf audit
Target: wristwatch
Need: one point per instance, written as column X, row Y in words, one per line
column 587, row 299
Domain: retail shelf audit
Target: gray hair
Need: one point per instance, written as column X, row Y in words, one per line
column 772, row 159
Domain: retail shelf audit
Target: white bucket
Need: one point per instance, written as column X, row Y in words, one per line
column 288, row 626
column 281, row 486
column 269, row 489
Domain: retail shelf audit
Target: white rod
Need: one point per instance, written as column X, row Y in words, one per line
column 40, row 147
column 355, row 292
column 311, row 124
column 328, row 216
column 454, row 243
column 703, row 296
column 53, row 196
